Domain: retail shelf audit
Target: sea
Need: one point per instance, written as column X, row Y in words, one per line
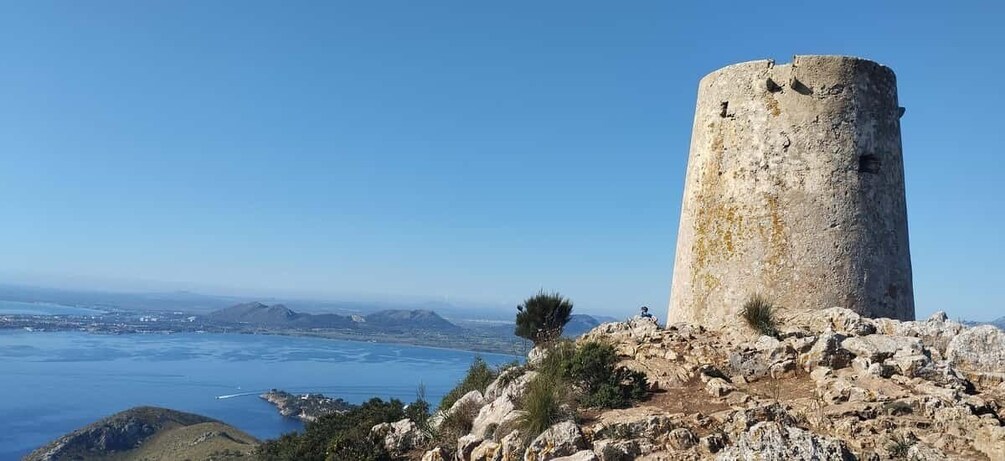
column 54, row 382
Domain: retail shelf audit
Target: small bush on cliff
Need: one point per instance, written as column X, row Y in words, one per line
column 542, row 317
column 593, row 368
column 759, row 313
column 589, row 374
column 479, row 376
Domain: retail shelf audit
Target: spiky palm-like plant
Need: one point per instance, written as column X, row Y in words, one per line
column 542, row 317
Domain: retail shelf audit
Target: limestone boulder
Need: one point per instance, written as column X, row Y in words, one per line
column 436, row 454
column 718, row 387
column 878, row 348
column 512, row 383
column 980, row 349
column 836, row 319
column 401, row 436
column 485, row 451
column 990, row 440
column 466, row 446
column 512, row 447
column 584, row 455
column 536, row 355
column 616, row 450
column 827, row 352
column 502, row 412
column 771, row 441
column 920, row 452
column 467, row 402
column 682, row 439
column 562, row 439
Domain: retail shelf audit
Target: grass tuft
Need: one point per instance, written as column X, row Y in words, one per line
column 542, row 405
column 759, row 313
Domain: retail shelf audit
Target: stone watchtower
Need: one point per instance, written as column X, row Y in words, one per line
column 795, row 191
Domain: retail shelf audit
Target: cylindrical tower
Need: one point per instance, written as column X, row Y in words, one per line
column 794, row 191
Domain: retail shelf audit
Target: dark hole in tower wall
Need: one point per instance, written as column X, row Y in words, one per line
column 868, row 163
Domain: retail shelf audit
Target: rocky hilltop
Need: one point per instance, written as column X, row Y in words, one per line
column 829, row 385
column 151, row 434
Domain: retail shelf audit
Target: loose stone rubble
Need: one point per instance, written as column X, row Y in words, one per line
column 832, row 385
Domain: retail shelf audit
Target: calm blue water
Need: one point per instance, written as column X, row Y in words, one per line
column 16, row 307
column 52, row 383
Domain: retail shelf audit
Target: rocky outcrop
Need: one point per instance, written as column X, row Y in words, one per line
column 401, row 436
column 831, row 385
column 980, row 353
column 771, row 441
column 562, row 439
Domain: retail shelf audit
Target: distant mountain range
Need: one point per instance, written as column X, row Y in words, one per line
column 999, row 322
column 280, row 316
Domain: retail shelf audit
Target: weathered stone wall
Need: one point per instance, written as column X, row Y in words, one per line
column 795, row 191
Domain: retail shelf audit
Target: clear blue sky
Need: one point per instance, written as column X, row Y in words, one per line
column 471, row 150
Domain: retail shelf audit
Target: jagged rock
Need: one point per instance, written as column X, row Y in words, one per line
column 512, row 447
column 768, row 441
column 436, row 454
column 837, row 319
column 718, row 387
column 935, row 332
column 827, row 352
column 501, row 412
column 562, row 439
column 470, row 400
column 485, row 451
column 878, row 348
column 919, row 452
column 512, row 382
column 632, row 423
column 401, row 436
column 714, row 442
column 636, row 327
column 616, row 450
column 585, row 455
column 990, row 440
column 908, row 364
column 682, row 439
column 980, row 349
column 466, row 445
column 536, row 355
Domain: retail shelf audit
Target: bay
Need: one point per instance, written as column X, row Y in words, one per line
column 53, row 383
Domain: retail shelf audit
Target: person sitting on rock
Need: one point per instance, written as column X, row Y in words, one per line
column 645, row 315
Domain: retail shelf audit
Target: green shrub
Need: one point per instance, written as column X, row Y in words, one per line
column 593, row 368
column 759, row 313
column 589, row 373
column 479, row 376
column 542, row 317
column 337, row 436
